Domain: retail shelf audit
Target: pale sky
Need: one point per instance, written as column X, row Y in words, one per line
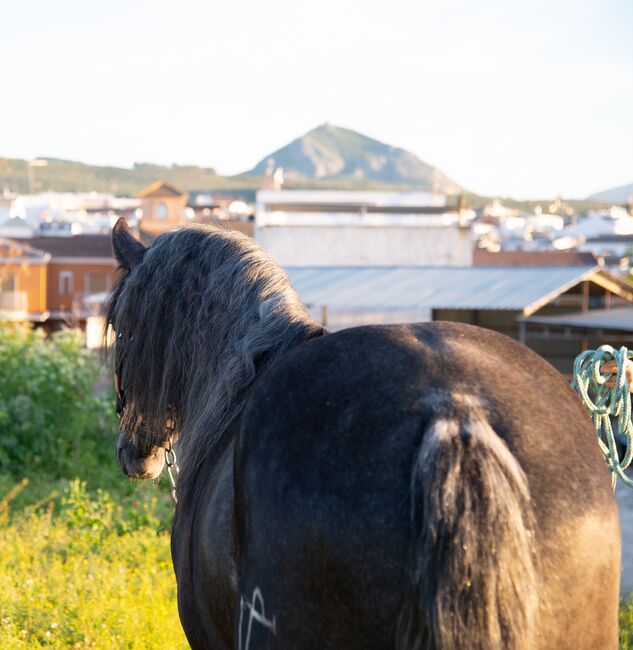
column 528, row 98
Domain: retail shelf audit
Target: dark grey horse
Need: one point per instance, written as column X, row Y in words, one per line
column 402, row 487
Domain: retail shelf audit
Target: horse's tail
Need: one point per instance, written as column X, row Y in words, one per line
column 472, row 580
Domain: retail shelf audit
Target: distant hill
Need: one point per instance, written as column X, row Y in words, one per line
column 70, row 176
column 615, row 195
column 331, row 153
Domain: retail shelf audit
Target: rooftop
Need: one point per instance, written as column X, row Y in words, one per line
column 159, row 189
column 603, row 319
column 12, row 248
column 74, row 246
column 483, row 257
column 523, row 289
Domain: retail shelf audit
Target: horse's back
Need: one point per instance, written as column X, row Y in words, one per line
column 325, row 459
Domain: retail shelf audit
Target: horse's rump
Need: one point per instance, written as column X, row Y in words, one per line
column 329, row 443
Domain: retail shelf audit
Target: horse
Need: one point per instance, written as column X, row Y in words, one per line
column 419, row 486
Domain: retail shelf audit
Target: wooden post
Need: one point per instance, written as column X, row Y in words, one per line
column 522, row 331
column 607, row 299
column 585, row 296
column 324, row 316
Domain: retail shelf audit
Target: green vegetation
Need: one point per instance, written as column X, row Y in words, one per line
column 69, row 176
column 626, row 626
column 84, row 552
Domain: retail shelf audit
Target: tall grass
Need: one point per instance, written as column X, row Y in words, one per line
column 86, row 572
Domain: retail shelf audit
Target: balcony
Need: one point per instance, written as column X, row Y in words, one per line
column 14, row 305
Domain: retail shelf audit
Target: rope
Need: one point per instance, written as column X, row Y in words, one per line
column 610, row 408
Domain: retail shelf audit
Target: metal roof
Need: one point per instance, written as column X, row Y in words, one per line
column 383, row 288
column 599, row 319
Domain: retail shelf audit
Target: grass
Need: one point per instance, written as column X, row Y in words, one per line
column 86, row 570
column 626, row 625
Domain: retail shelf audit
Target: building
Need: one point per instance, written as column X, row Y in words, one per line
column 496, row 297
column 336, row 228
column 162, row 208
column 483, row 257
column 16, row 227
column 583, row 330
column 23, row 281
column 55, row 280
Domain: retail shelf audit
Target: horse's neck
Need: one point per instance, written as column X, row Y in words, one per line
column 206, row 447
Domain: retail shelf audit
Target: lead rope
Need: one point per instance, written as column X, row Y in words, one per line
column 171, row 463
column 610, row 408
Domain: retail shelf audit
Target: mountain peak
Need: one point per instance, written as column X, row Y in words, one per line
column 334, row 153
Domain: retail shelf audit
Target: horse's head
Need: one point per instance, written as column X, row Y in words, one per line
column 196, row 317
column 143, row 436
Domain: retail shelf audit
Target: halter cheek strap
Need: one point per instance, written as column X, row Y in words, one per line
column 171, row 462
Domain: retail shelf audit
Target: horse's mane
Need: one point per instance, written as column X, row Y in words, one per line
column 196, row 320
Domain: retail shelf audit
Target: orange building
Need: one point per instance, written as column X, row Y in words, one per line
column 163, row 208
column 55, row 280
column 22, row 281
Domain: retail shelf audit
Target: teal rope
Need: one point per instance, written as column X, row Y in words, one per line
column 608, row 407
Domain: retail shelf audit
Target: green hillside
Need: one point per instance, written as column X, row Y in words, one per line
column 69, row 176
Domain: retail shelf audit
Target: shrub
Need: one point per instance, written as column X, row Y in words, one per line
column 51, row 419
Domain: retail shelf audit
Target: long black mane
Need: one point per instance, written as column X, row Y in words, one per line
column 195, row 320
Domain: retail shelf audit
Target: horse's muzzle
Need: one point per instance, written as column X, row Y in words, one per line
column 137, row 465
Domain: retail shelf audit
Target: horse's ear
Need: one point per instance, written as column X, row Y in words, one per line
column 128, row 250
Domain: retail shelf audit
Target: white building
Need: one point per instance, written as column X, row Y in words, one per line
column 340, row 228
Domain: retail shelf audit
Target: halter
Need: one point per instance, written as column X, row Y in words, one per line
column 171, row 461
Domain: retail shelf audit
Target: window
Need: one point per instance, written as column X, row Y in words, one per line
column 8, row 282
column 96, row 283
column 161, row 211
column 66, row 283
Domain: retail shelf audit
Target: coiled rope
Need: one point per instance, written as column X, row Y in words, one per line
column 610, row 408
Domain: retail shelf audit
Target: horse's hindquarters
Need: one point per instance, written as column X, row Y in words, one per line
column 326, row 519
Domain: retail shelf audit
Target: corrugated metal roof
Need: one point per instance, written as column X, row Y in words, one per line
column 601, row 319
column 433, row 287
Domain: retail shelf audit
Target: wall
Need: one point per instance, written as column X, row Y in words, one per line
column 338, row 318
column 175, row 213
column 61, row 302
column 449, row 245
column 31, row 279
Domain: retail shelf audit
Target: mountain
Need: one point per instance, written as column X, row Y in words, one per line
column 619, row 195
column 332, row 153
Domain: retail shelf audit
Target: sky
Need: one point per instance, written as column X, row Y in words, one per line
column 522, row 98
